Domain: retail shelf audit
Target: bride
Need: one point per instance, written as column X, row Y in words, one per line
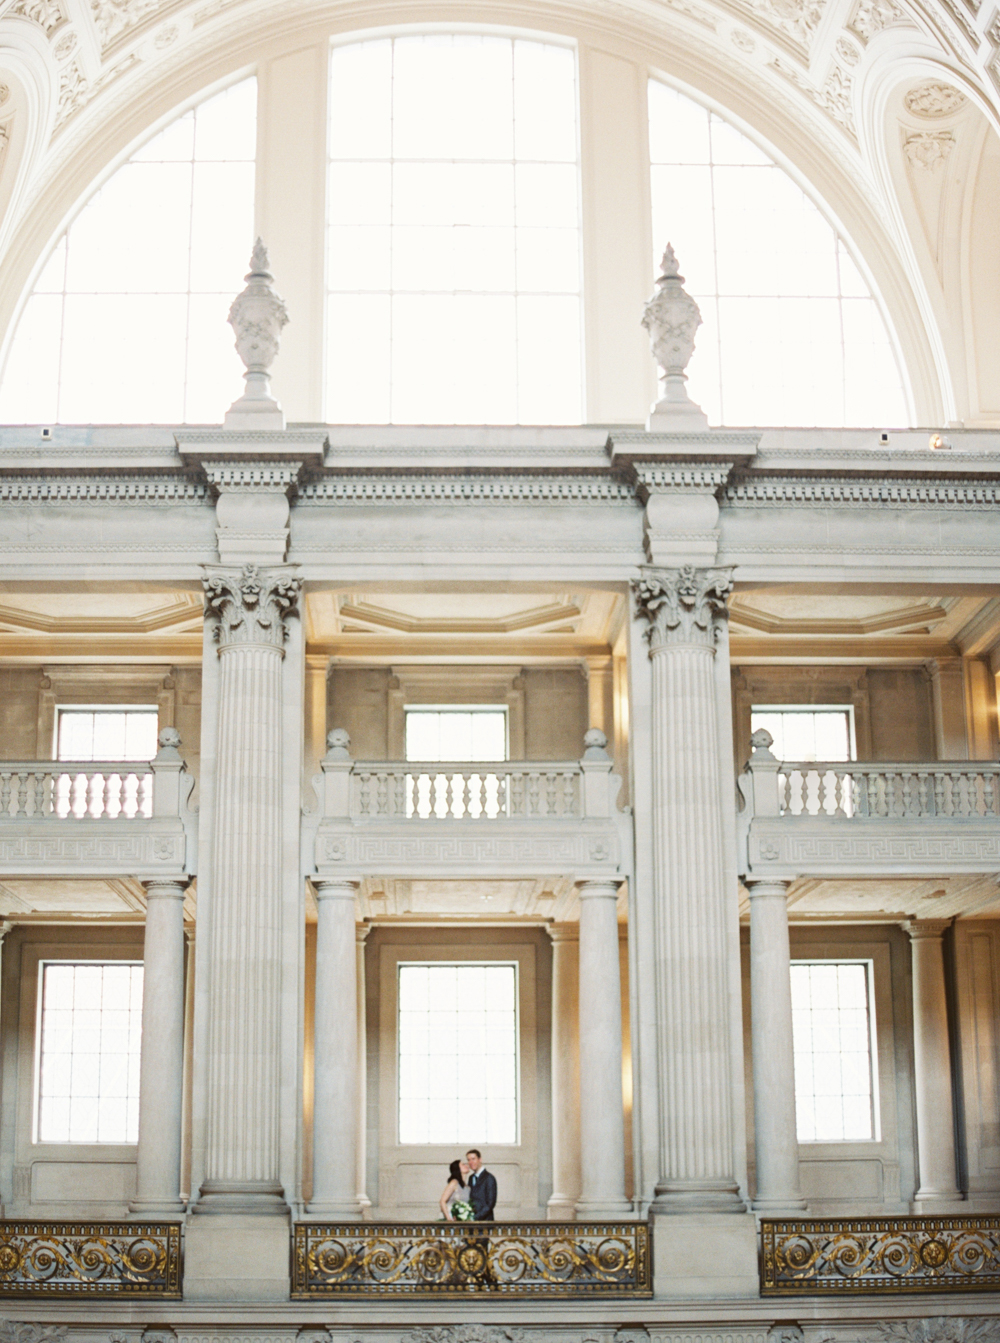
column 456, row 1190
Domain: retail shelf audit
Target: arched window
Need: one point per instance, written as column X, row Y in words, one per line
column 791, row 333
column 453, row 261
column 127, row 322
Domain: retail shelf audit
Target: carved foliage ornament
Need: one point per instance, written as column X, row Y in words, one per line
column 683, row 606
column 251, row 605
column 933, row 100
column 940, row 1330
column 928, row 149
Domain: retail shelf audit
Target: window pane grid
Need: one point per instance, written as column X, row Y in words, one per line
column 107, row 734
column 89, row 1030
column 160, row 248
column 791, row 333
column 832, row 1024
column 453, row 237
column 458, row 1053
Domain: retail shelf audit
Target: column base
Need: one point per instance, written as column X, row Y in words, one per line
column 595, row 1210
column 333, row 1210
column 237, row 1259
column 157, row 1207
column 929, row 1205
column 705, row 1257
column 779, row 1207
column 253, row 1198
column 560, row 1208
column 675, row 1198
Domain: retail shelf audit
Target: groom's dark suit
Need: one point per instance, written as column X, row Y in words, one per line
column 482, row 1195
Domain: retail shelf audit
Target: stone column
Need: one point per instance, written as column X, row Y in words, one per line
column 947, row 676
column 565, row 1071
column 161, row 1064
column 692, row 903
column 361, row 937
column 777, row 1143
column 602, row 1116
column 244, row 929
column 335, row 1104
column 932, row 1068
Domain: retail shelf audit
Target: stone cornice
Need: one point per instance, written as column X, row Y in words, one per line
column 252, row 477
column 880, row 491
column 107, row 488
column 466, row 488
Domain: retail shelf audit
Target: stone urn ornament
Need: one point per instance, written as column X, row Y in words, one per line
column 672, row 317
column 257, row 316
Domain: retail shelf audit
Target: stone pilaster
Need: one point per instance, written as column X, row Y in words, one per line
column 932, row 1069
column 565, row 1071
column 602, row 1116
column 684, row 608
column 161, row 1064
column 361, row 931
column 777, row 1146
column 335, row 1110
column 244, row 925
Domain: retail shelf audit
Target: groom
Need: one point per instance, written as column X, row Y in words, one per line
column 482, row 1188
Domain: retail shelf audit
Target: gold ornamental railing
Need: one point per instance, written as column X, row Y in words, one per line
column 106, row 1259
column 539, row 1259
column 854, row 1255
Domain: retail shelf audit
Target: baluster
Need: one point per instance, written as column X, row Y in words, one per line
column 483, row 794
column 785, row 793
column 804, row 792
column 907, row 792
column 503, row 794
column 382, row 793
column 550, row 793
column 939, row 797
column 22, row 794
column 515, row 794
column 399, row 780
column 36, row 787
column 366, row 794
column 449, row 794
column 4, row 792
column 922, row 809
column 569, row 782
column 432, row 795
column 533, row 786
column 820, row 792
column 838, row 793
column 992, row 793
column 962, row 784
column 413, row 784
column 145, row 799
column 978, row 794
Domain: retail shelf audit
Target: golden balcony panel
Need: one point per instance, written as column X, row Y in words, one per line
column 884, row 1255
column 105, row 1259
column 531, row 1259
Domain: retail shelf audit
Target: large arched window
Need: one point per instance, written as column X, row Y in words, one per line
column 453, row 261
column 791, row 333
column 127, row 322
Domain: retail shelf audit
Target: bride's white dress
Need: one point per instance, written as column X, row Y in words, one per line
column 460, row 1195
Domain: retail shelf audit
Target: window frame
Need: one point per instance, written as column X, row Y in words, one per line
column 60, row 708
column 501, row 709
column 813, row 709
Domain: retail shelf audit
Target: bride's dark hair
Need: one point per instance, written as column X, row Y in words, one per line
column 455, row 1172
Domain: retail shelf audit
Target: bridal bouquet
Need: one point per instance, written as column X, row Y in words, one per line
column 462, row 1212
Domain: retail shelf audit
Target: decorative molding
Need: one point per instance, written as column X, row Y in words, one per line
column 252, row 477
column 681, row 475
column 939, row 1329
column 928, row 149
column 465, row 489
column 376, row 852
column 14, row 1331
column 48, row 14
column 74, row 93
column 881, row 492
column 105, row 489
column 933, row 100
column 871, row 16
column 86, row 1259
column 797, row 19
column 683, row 606
column 251, row 604
column 113, row 18
column 833, row 846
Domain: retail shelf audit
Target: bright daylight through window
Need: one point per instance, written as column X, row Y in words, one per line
column 453, row 263
column 802, row 735
column 105, row 734
column 141, row 283
column 458, row 1053
column 458, row 736
column 89, row 1033
column 791, row 333
column 832, row 1025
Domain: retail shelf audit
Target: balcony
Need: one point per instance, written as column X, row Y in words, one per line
column 867, row 820
column 98, row 818
column 459, row 820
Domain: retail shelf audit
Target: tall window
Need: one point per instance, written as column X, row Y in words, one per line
column 458, row 1053
column 127, row 322
column 791, row 333
column 833, row 1021
column 453, row 257
column 89, row 1033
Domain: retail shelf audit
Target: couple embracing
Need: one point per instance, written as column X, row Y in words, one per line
column 471, row 1192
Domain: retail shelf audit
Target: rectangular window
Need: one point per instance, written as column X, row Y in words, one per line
column 89, row 1033
column 833, row 1023
column 444, row 733
column 817, row 732
column 125, row 732
column 458, row 1056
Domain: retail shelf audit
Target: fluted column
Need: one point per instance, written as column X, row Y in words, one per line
column 777, row 1144
column 361, row 937
column 161, row 1063
column 565, row 1071
column 602, row 1116
column 335, row 1107
column 691, row 901
column 244, row 925
column 932, row 1068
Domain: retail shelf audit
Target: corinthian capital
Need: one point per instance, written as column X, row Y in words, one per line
column 683, row 606
column 251, row 604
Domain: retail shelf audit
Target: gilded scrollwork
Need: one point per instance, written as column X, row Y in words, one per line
column 86, row 1259
column 503, row 1259
column 891, row 1254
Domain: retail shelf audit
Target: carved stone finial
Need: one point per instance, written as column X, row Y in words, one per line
column 683, row 606
column 251, row 605
column 672, row 317
column 595, row 744
column 338, row 744
column 257, row 316
column 168, row 741
column 761, row 742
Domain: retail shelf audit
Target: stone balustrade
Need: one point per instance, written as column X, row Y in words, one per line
column 490, row 791
column 97, row 790
column 836, row 819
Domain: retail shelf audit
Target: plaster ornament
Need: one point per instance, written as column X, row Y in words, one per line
column 74, row 92
column 48, row 14
column 798, row 18
column 933, row 100
column 928, row 149
column 672, row 317
column 939, row 1330
column 257, row 316
column 65, row 46
column 683, row 606
column 742, row 40
column 847, row 51
column 114, row 17
column 14, row 1331
column 4, row 92
column 871, row 16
